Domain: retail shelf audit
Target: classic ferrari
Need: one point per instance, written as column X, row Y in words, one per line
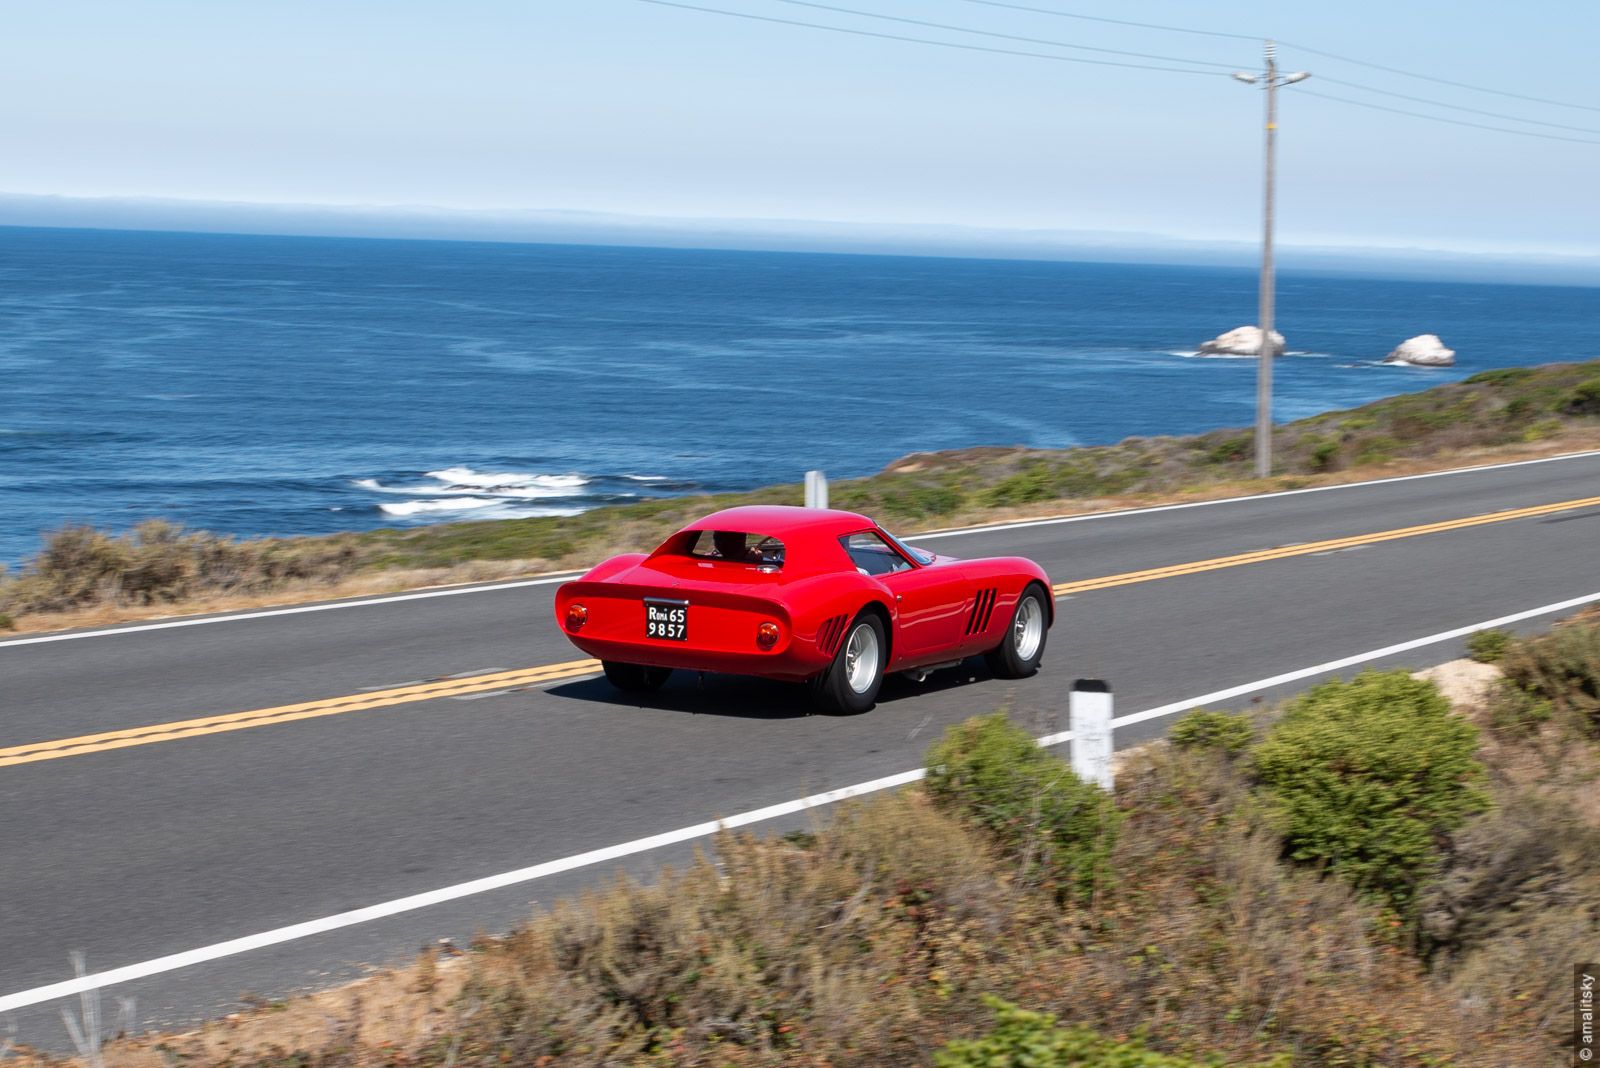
column 804, row 595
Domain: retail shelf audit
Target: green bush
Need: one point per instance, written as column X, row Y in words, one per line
column 1023, row 1039
column 1226, row 732
column 1500, row 376
column 1514, row 710
column 1584, row 398
column 1230, row 451
column 6, row 622
column 1544, row 428
column 1324, row 454
column 1562, row 667
column 1369, row 777
column 1060, row 827
column 1377, row 450
column 1489, row 646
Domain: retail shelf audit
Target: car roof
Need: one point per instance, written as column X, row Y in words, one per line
column 779, row 519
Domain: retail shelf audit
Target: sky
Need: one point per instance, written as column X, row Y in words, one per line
column 627, row 108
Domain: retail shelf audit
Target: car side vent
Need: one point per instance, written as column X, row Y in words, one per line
column 829, row 635
column 982, row 608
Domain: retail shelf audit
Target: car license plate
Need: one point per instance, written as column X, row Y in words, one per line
column 668, row 620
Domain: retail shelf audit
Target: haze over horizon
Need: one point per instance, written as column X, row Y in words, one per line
column 998, row 130
column 558, row 227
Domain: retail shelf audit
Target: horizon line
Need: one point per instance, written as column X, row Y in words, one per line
column 576, row 226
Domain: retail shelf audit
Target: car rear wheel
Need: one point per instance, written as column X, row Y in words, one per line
column 635, row 678
column 1018, row 654
column 851, row 682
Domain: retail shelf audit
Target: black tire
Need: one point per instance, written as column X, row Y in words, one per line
column 1008, row 660
column 635, row 678
column 833, row 689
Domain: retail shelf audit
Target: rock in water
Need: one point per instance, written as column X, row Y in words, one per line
column 1242, row 341
column 1424, row 350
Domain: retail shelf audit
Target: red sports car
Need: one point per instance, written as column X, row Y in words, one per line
column 805, row 595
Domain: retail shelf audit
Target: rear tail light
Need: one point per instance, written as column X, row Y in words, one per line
column 577, row 616
column 767, row 635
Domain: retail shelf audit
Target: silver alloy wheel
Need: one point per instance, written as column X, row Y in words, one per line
column 1028, row 630
column 861, row 658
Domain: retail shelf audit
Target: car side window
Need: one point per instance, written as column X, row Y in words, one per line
column 872, row 555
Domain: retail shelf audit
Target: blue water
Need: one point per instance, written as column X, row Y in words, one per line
column 270, row 385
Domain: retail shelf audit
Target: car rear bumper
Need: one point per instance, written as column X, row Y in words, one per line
column 795, row 663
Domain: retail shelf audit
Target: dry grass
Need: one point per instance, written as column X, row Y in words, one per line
column 1520, row 894
column 870, row 941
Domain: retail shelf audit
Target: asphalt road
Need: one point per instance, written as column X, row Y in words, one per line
column 135, row 853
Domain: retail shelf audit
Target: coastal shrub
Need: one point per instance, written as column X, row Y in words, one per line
column 160, row 562
column 1225, row 732
column 1324, row 454
column 1518, row 409
column 1058, row 827
column 1488, row 646
column 1369, row 777
column 1563, row 668
column 1023, row 1039
column 1500, row 376
column 1515, row 711
column 1584, row 398
column 1544, row 428
column 1034, row 483
column 1230, row 451
column 1377, row 450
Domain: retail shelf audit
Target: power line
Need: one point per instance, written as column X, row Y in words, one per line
column 1007, row 36
column 1431, row 78
column 1456, row 107
column 1441, row 118
column 928, row 41
column 1116, row 22
column 1290, row 44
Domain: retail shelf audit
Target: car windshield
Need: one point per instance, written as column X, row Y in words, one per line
column 735, row 547
column 921, row 556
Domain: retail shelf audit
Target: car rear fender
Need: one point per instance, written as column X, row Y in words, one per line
column 818, row 602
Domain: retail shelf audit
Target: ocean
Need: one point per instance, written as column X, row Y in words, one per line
column 275, row 385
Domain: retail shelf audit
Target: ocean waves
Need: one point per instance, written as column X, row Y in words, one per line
column 466, row 492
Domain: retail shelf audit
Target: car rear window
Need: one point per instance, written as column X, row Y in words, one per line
column 735, row 547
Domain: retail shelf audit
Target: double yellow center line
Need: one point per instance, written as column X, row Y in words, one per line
column 261, row 717
column 1261, row 556
column 507, row 680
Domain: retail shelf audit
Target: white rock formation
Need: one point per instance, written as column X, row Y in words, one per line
column 1241, row 341
column 1424, row 350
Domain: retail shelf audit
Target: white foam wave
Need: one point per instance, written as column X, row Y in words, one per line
column 459, row 504
column 522, row 493
column 647, row 478
column 466, row 476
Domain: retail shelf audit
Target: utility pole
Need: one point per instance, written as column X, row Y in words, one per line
column 1265, row 351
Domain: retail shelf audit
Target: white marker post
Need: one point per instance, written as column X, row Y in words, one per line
column 1089, row 717
column 816, row 489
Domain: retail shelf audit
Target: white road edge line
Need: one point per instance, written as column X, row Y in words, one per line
column 1023, row 523
column 931, row 535
column 173, row 962
column 290, row 611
